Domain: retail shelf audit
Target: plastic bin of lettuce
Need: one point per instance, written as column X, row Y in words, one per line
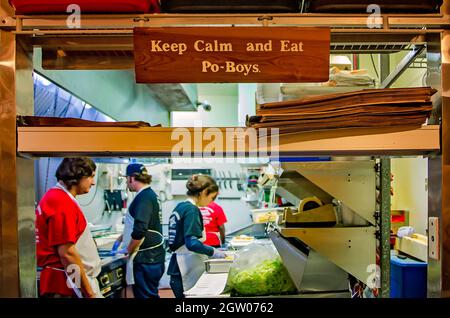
column 257, row 270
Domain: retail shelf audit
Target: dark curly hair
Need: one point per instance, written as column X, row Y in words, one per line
column 199, row 182
column 72, row 170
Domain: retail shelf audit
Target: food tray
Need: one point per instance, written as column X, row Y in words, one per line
column 218, row 265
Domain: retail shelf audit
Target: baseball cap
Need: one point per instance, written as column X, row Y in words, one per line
column 135, row 168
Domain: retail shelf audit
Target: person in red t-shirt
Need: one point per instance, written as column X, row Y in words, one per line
column 214, row 219
column 65, row 248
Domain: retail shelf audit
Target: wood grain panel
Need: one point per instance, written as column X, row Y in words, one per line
column 9, row 258
column 234, row 55
column 160, row 141
column 445, row 147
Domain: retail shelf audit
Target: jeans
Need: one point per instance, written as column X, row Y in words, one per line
column 146, row 279
column 176, row 283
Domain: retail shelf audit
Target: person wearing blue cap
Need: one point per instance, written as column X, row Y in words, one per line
column 142, row 235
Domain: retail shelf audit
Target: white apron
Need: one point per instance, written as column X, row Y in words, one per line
column 128, row 228
column 191, row 264
column 90, row 259
column 126, row 239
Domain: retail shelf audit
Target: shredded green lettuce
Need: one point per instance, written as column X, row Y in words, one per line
column 267, row 278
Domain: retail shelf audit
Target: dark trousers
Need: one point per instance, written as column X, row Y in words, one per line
column 176, row 283
column 146, row 279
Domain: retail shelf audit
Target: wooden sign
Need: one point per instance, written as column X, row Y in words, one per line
column 231, row 54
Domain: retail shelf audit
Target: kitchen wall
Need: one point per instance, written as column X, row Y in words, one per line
column 410, row 190
column 365, row 63
column 247, row 102
column 223, row 99
column 412, row 77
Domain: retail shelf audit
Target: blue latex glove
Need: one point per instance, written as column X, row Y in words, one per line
column 115, row 247
column 218, row 254
column 123, row 251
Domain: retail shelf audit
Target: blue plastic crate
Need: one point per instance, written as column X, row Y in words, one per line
column 408, row 278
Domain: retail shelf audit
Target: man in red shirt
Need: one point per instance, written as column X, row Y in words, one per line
column 214, row 219
column 65, row 248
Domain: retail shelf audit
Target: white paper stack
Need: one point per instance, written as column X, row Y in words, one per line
column 209, row 285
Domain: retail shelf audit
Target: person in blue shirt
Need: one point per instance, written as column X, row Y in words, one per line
column 187, row 234
column 142, row 236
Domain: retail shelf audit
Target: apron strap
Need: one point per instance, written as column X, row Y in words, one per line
column 154, row 246
column 69, row 281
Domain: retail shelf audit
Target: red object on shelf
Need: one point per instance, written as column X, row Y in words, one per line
column 398, row 218
column 87, row 6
